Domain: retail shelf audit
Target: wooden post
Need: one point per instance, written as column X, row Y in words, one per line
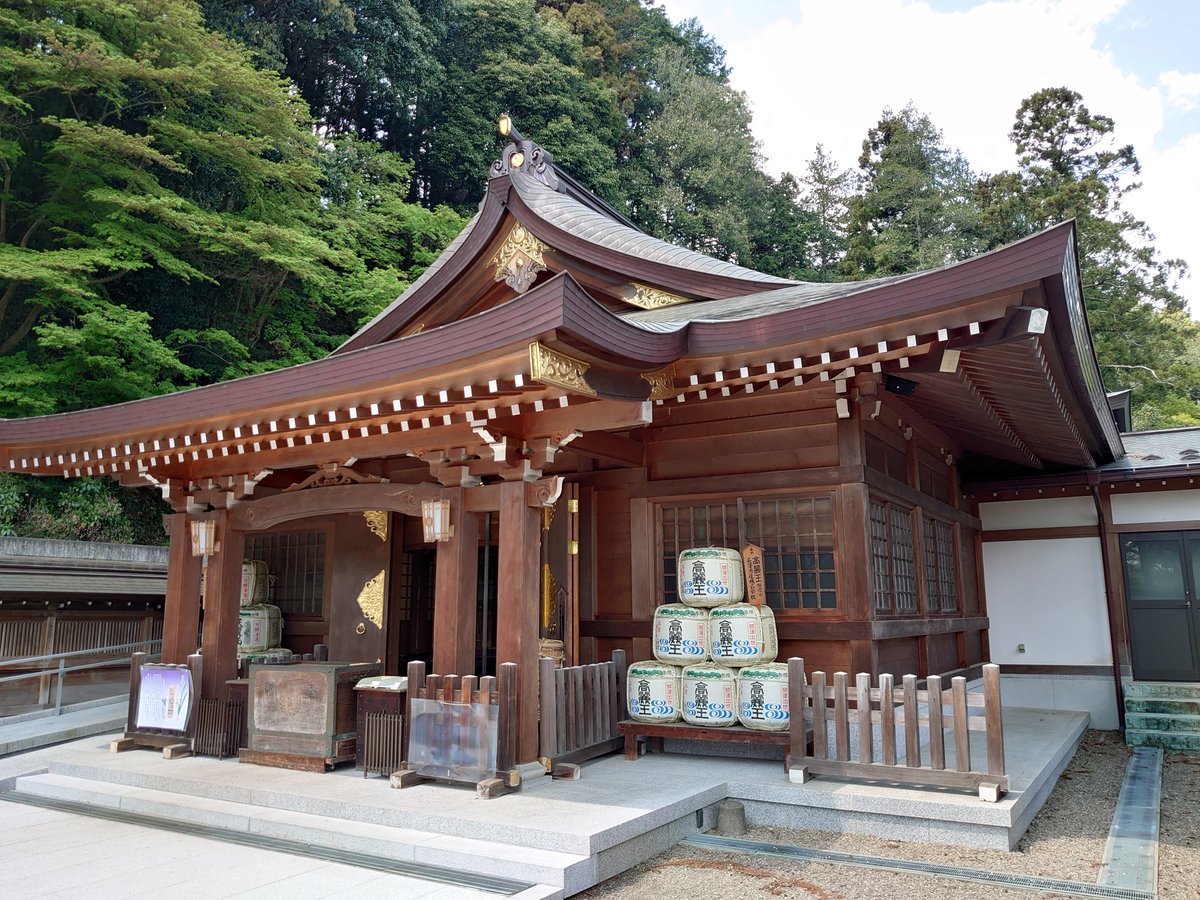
column 221, row 609
column 547, row 739
column 992, row 718
column 912, row 723
column 181, row 610
column 820, row 717
column 621, row 706
column 517, row 612
column 797, row 733
column 937, row 730
column 962, row 737
column 841, row 716
column 506, row 686
column 887, row 718
column 862, row 697
column 455, row 591
column 135, row 685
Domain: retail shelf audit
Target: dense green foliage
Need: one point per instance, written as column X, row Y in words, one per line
column 194, row 190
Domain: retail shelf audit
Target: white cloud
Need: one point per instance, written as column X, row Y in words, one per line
column 822, row 71
column 1183, row 90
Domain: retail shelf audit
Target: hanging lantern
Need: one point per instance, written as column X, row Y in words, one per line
column 435, row 517
column 204, row 537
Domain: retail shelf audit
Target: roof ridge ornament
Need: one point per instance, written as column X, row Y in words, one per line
column 523, row 155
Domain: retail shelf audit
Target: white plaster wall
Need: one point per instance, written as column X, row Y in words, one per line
column 1094, row 694
column 1049, row 596
column 1050, row 512
column 1161, row 506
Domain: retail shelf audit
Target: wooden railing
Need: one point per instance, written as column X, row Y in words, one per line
column 886, row 707
column 580, row 709
column 458, row 735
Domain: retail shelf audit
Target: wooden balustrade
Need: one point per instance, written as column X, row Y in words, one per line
column 877, row 711
column 580, row 709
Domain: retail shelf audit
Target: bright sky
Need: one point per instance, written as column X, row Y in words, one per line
column 821, row 71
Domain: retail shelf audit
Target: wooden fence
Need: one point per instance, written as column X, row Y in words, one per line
column 454, row 738
column 580, row 709
column 886, row 707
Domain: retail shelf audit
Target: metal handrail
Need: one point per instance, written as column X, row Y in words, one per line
column 154, row 648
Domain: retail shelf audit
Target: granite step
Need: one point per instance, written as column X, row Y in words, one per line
column 1164, row 722
column 1168, row 707
column 1166, row 740
column 1162, row 690
column 558, row 873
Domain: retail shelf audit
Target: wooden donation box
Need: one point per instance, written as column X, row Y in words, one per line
column 303, row 716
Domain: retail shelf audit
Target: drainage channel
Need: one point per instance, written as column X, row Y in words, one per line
column 911, row 867
column 424, row 871
column 1131, row 855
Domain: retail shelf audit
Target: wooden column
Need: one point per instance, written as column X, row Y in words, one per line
column 455, row 591
column 222, row 588
column 181, row 611
column 517, row 611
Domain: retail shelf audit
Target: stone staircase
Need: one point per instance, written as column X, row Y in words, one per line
column 1163, row 714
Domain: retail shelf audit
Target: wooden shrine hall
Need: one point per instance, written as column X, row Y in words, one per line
column 516, row 450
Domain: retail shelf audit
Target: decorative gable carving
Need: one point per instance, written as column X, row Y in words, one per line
column 519, row 259
column 646, row 297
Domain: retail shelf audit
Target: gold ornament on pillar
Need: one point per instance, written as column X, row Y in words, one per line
column 370, row 600
column 377, row 521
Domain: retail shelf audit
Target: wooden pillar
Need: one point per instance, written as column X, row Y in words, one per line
column 455, row 590
column 221, row 592
column 181, row 611
column 517, row 613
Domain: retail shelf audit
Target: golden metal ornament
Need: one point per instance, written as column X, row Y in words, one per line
column 377, row 521
column 547, row 517
column 519, row 259
column 558, row 370
column 370, row 600
column 645, row 297
column 549, row 596
column 662, row 383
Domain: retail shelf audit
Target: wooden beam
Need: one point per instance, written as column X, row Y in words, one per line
column 455, row 591
column 597, row 415
column 181, row 610
column 610, row 448
column 517, row 613
column 265, row 512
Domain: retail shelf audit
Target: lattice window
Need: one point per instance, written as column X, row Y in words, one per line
column 893, row 559
column 796, row 534
column 941, row 570
column 296, row 563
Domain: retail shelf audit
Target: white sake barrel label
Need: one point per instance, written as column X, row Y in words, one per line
column 680, row 634
column 710, row 576
column 653, row 690
column 763, row 697
column 709, row 696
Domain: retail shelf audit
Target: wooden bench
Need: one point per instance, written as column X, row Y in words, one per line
column 731, row 734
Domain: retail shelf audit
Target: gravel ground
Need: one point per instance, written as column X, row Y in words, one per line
column 1066, row 840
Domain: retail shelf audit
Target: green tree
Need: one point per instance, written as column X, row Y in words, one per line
column 1070, row 168
column 916, row 209
column 825, row 193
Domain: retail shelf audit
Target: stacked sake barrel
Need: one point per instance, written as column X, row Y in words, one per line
column 701, row 643
column 260, row 624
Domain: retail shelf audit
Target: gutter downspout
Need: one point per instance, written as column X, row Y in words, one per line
column 1106, row 566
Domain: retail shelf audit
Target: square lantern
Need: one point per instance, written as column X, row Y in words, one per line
column 204, row 537
column 435, row 517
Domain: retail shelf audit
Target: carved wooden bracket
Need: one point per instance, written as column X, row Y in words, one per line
column 333, row 474
column 544, row 491
column 452, row 467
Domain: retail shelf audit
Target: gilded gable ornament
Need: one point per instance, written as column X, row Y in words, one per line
column 519, row 259
column 646, row 297
column 662, row 383
column 559, row 370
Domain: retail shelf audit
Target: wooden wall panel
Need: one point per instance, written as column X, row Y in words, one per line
column 899, row 657
column 973, row 647
column 942, row 653
column 613, row 594
column 824, row 656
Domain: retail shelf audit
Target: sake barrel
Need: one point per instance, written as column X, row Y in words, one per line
column 680, row 634
column 709, row 695
column 742, row 635
column 260, row 628
column 254, row 582
column 710, row 576
column 763, row 697
column 654, row 692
